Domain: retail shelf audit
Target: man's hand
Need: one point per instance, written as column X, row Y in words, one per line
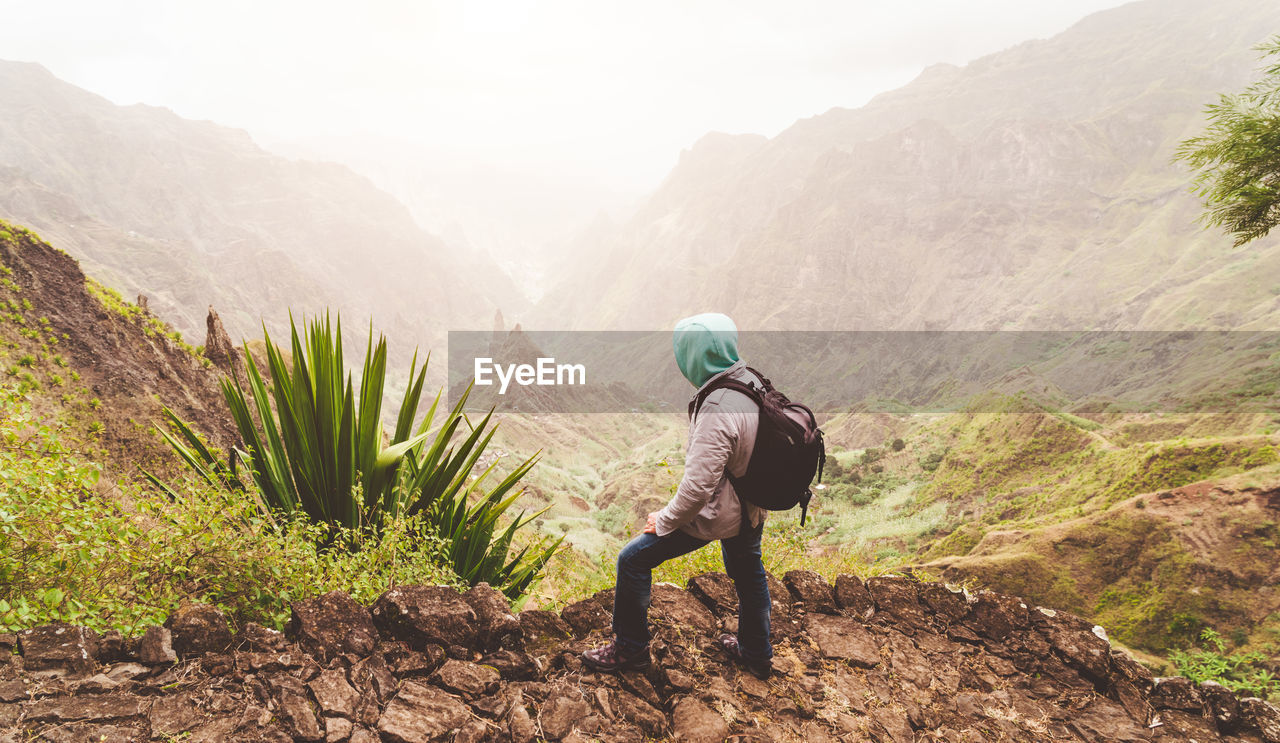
column 651, row 523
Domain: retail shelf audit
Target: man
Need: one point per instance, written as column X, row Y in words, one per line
column 722, row 433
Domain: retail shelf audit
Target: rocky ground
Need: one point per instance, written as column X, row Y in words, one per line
column 888, row 660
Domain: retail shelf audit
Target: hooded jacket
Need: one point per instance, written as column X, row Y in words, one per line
column 722, row 434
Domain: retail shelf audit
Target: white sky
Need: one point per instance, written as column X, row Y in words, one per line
column 610, row 90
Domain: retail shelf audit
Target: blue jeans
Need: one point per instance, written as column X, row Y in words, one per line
column 742, row 562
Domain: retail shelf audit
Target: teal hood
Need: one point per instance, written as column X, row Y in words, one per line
column 705, row 345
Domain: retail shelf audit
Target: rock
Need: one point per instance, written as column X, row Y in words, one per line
column 13, row 690
column 335, row 696
column 897, row 599
column 472, row 732
column 945, row 604
column 372, row 676
column 198, row 629
column 558, row 715
column 1222, row 705
column 520, row 727
column 58, row 649
column 513, row 666
column 331, row 625
column 1176, row 693
column 695, row 722
column 363, row 735
column 1256, row 714
column 93, row 707
column 811, row 590
column 422, row 615
column 466, row 679
column 172, row 715
column 996, row 615
column 843, row 638
column 156, row 647
column 589, row 614
column 641, row 713
column 891, row 726
column 852, row 596
column 1081, row 649
column 337, row 729
column 497, row 627
column 112, row 647
column 218, row 347
column 407, row 663
column 677, row 608
column 1131, row 682
column 255, row 638
column 716, row 592
column 294, row 709
column 540, row 627
column 421, row 713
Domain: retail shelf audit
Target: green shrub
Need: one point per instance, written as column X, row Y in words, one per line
column 1239, row 672
column 315, row 450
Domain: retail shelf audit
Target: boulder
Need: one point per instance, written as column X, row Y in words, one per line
column 811, row 590
column 58, row 649
column 198, row 629
column 423, row 615
column 678, row 608
column 540, row 627
column 587, row 615
column 513, row 666
column 844, row 639
column 1176, row 693
column 995, row 615
column 468, row 680
column 897, row 600
column 420, row 714
column 559, row 714
column 334, row 695
column 294, row 710
column 156, row 647
column 1222, row 705
column 496, row 626
column 945, row 604
column 1256, row 714
column 331, row 625
column 852, row 596
column 716, row 592
column 695, row 722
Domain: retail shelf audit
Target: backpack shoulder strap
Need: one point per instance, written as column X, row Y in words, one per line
column 728, row 384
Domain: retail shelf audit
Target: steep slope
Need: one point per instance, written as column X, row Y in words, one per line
column 77, row 350
column 192, row 214
column 1032, row 188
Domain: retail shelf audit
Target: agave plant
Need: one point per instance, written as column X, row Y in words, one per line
column 322, row 452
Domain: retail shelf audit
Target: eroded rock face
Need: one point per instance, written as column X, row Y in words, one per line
column 891, row 660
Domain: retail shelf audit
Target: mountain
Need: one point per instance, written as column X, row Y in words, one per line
column 193, row 214
column 1033, row 188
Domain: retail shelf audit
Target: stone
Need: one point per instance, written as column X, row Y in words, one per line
column 1083, row 650
column 156, row 647
column 1176, row 693
column 587, row 615
column 333, row 694
column 891, row 726
column 844, row 639
column 468, row 680
column 472, row 732
column 945, row 604
column 1258, row 715
column 674, row 607
column 513, row 666
column 716, row 592
column 496, row 626
column 811, row 590
column 112, row 647
column 172, row 715
column 58, row 648
column 331, row 625
column 1222, row 705
column 294, row 709
column 520, row 727
column 423, row 615
column 372, row 677
column 420, row 713
column 363, row 735
column 92, row 708
column 695, row 722
column 540, row 627
column 852, row 596
column 559, row 714
column 198, row 629
column 641, row 713
column 897, row 599
column 255, row 638
column 995, row 615
column 337, row 729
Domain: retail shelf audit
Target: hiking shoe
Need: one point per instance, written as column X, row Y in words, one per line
column 611, row 658
column 761, row 669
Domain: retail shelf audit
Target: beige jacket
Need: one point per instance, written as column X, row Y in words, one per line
column 721, row 436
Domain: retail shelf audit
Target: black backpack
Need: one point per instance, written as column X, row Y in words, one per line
column 788, row 449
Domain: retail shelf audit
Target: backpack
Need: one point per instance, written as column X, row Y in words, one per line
column 787, row 453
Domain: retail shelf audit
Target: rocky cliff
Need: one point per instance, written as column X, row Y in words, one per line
column 889, row 660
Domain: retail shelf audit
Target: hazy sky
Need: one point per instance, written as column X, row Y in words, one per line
column 610, row 90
